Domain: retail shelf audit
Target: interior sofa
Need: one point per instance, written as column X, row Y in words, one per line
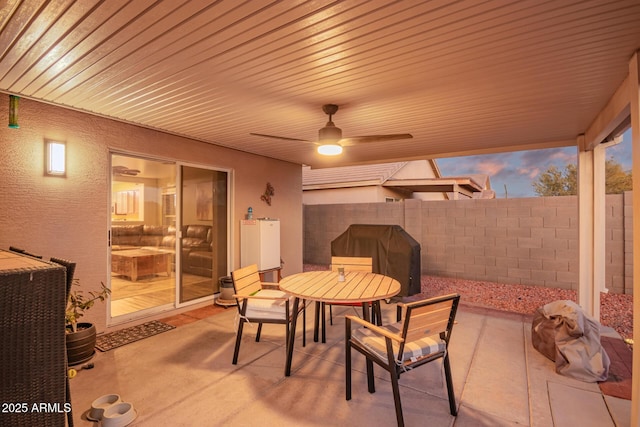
column 197, row 246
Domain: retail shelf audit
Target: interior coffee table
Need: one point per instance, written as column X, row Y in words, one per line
column 135, row 263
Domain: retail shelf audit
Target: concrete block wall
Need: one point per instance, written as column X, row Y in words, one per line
column 529, row 241
column 628, row 242
column 323, row 223
column 519, row 241
column 614, row 242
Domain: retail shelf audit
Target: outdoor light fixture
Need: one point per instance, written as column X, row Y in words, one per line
column 13, row 111
column 56, row 158
column 330, row 149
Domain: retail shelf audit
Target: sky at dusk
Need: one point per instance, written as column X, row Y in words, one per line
column 518, row 170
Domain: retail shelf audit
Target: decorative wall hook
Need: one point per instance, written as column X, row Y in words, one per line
column 266, row 197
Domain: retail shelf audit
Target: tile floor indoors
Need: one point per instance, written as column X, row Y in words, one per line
column 184, row 377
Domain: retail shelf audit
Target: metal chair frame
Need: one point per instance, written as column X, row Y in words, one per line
column 432, row 317
column 246, row 286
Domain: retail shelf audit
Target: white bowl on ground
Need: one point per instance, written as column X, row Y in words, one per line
column 118, row 415
column 101, row 404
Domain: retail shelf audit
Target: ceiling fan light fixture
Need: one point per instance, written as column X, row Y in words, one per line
column 330, row 149
column 330, row 132
column 330, row 141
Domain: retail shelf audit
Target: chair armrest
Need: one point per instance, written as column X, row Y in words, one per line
column 378, row 330
column 270, row 285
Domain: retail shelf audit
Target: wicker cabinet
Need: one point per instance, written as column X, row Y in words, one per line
column 32, row 342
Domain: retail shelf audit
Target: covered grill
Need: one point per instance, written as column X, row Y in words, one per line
column 393, row 251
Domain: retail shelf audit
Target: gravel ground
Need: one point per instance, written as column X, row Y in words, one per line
column 616, row 310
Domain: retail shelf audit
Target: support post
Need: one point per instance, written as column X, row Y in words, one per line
column 588, row 297
column 634, row 87
column 599, row 222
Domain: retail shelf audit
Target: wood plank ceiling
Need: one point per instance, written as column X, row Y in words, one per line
column 462, row 77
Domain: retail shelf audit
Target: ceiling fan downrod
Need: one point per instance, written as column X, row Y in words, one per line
column 330, row 132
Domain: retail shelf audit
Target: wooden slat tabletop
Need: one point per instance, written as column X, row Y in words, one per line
column 324, row 286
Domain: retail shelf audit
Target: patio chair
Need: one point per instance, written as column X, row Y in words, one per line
column 421, row 338
column 349, row 264
column 262, row 302
column 71, row 269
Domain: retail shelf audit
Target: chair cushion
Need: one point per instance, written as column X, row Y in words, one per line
column 415, row 349
column 268, row 309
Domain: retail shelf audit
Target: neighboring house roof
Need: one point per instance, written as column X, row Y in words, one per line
column 349, row 176
column 382, row 174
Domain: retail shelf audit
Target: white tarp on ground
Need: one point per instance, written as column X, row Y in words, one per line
column 565, row 334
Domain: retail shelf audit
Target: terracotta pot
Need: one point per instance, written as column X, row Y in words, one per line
column 81, row 344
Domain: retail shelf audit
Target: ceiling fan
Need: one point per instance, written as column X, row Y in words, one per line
column 330, row 140
column 124, row 171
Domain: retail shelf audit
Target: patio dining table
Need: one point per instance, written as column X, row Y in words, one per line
column 325, row 286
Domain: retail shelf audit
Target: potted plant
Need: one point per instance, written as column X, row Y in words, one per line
column 81, row 336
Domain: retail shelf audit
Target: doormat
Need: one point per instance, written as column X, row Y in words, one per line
column 122, row 337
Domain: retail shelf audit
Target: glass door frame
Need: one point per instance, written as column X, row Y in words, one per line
column 167, row 308
column 179, row 225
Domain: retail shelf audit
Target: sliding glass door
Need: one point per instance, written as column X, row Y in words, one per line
column 168, row 236
column 143, row 235
column 204, row 236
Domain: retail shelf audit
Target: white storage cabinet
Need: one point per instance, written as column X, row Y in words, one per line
column 260, row 243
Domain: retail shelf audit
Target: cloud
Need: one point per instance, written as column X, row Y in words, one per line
column 490, row 166
column 517, row 170
column 622, row 153
column 542, row 159
column 567, row 155
column 530, row 173
column 533, row 163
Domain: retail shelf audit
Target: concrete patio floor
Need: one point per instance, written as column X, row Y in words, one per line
column 184, row 377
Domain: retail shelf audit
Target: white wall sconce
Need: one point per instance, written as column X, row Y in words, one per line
column 56, row 158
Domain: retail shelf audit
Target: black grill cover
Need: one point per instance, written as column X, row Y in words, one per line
column 393, row 251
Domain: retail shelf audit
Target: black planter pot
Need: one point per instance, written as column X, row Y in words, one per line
column 81, row 344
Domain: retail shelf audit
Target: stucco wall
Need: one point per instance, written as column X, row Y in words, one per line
column 531, row 241
column 69, row 217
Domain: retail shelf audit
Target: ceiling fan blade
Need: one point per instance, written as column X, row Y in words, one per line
column 373, row 138
column 279, row 137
